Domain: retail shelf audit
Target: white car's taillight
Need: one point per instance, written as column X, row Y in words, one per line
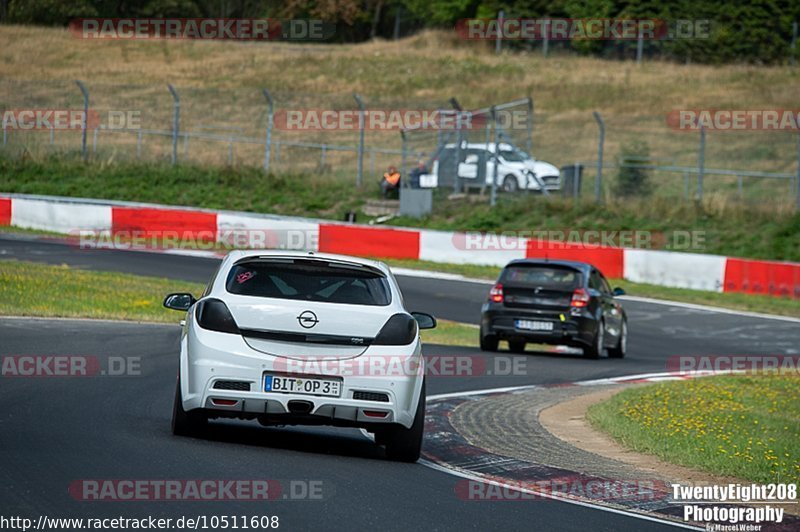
column 213, row 314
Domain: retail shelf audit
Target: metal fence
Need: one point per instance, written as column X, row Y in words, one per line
column 242, row 126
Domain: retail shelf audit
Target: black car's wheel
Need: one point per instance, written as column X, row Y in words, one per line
column 516, row 346
column 596, row 349
column 186, row 423
column 402, row 444
column 619, row 350
column 488, row 342
column 510, row 184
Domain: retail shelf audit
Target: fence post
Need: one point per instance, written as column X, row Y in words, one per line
column 546, row 38
column 529, row 140
column 701, row 163
column 268, row 141
column 487, row 140
column 498, row 44
column 176, row 121
column 361, row 126
column 403, row 148
column 139, row 144
column 798, row 171
column 639, row 46
column 493, row 197
column 457, row 158
column 94, row 139
column 598, row 181
column 576, row 178
column 397, row 15
column 84, row 124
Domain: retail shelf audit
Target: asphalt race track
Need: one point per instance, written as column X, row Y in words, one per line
column 56, row 431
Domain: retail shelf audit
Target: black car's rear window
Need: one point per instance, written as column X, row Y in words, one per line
column 548, row 277
column 309, row 280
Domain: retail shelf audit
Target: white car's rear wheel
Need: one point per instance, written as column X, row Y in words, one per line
column 186, row 423
column 402, row 444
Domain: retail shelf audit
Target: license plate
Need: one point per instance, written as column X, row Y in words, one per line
column 530, row 325
column 302, row 385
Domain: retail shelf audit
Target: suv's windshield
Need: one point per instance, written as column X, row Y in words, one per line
column 309, row 280
column 514, row 155
column 547, row 277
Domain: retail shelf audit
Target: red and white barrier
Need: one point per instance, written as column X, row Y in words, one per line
column 678, row 270
column 60, row 217
column 682, row 270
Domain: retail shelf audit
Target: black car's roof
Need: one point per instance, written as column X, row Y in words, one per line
column 582, row 266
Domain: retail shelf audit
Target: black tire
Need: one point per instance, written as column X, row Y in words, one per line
column 186, row 423
column 489, row 342
column 402, row 444
column 619, row 350
column 596, row 349
column 510, row 184
column 516, row 346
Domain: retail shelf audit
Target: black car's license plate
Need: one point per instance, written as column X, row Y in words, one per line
column 532, row 325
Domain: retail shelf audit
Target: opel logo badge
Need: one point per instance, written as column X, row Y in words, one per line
column 307, row 319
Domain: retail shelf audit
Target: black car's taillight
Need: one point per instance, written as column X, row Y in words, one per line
column 401, row 329
column 496, row 293
column 213, row 314
column 580, row 298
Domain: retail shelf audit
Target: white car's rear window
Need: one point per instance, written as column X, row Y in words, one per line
column 309, row 280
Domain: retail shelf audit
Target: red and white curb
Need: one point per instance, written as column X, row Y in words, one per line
column 448, row 452
column 665, row 268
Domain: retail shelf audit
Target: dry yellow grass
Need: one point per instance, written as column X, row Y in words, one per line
column 424, row 70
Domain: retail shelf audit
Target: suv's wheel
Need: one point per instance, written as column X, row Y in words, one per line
column 186, row 423
column 488, row 342
column 596, row 349
column 619, row 350
column 516, row 346
column 510, row 184
column 402, row 444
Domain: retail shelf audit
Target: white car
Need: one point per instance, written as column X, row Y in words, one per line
column 516, row 170
column 303, row 338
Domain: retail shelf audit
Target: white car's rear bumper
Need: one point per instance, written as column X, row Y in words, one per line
column 381, row 386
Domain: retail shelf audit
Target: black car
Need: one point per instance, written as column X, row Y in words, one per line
column 554, row 302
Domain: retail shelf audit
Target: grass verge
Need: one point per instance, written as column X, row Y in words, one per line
column 743, row 426
column 32, row 289
column 781, row 306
